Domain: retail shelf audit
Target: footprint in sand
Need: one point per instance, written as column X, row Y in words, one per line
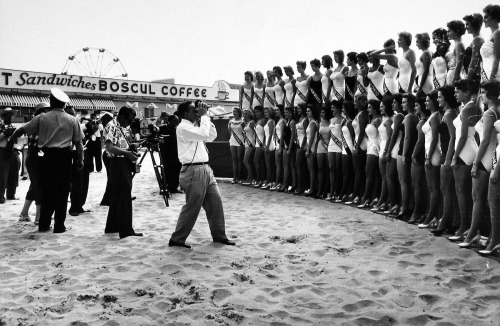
column 359, row 305
column 396, row 251
column 430, row 299
column 220, row 294
column 405, row 264
column 421, row 320
column 451, row 264
column 386, row 320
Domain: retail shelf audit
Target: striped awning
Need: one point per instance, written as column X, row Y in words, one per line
column 5, row 100
column 106, row 105
column 27, row 101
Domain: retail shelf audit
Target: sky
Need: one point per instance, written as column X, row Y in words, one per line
column 197, row 42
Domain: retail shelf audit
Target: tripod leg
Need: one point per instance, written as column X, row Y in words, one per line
column 159, row 178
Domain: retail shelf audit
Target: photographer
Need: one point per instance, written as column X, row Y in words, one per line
column 168, row 151
column 9, row 158
column 196, row 177
column 122, row 163
column 94, row 144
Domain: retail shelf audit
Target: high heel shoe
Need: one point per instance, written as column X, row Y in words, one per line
column 456, row 237
column 427, row 225
column 489, row 252
column 364, row 205
column 403, row 214
column 374, row 202
column 469, row 244
column 356, row 201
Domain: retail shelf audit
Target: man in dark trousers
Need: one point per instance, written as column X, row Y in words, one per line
column 57, row 132
column 94, row 144
column 10, row 162
column 168, row 149
column 122, row 162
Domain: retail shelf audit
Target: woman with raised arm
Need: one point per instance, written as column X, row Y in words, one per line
column 335, row 146
column 490, row 51
column 419, row 182
column 348, row 135
column 315, row 90
column 249, row 138
column 375, row 79
column 236, row 143
column 269, row 149
column 360, row 146
column 289, row 147
column 406, row 64
column 338, row 76
column 302, row 84
column 311, row 149
column 258, row 90
column 493, row 93
column 472, row 55
column 391, row 69
column 278, row 153
column 425, row 75
column 269, row 93
column 393, row 155
column 279, row 87
column 351, row 77
column 482, row 166
column 456, row 28
column 448, row 103
column 385, row 133
column 290, row 88
column 322, row 152
column 432, row 147
column 361, row 87
column 372, row 172
column 300, row 157
column 465, row 151
column 326, row 82
column 246, row 92
column 260, row 141
column 409, row 139
column 439, row 58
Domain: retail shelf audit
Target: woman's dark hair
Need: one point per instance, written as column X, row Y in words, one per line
column 272, row 114
column 340, row 53
column 315, row 62
column 441, row 33
column 289, row 69
column 406, row 37
column 475, row 21
column 278, row 70
column 387, row 101
column 467, row 86
column 492, row 88
column 249, row 73
column 315, row 112
column 424, row 39
column 281, row 109
column 421, row 101
column 457, row 26
column 353, row 56
column 337, row 105
column 362, row 101
column 448, row 93
column 302, row 64
column 328, row 61
column 433, row 96
column 443, row 46
column 375, row 105
column 493, row 11
column 410, row 98
column 259, row 108
column 399, row 99
column 292, row 111
column 349, row 109
column 303, row 108
column 362, row 56
column 389, row 42
column 328, row 112
column 239, row 111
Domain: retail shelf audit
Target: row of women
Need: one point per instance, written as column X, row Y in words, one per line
column 422, row 149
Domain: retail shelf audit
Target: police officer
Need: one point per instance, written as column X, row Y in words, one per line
column 10, row 162
column 57, row 131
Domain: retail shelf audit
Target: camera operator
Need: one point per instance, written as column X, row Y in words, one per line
column 122, row 163
column 168, row 151
column 10, row 162
column 94, row 144
column 196, row 176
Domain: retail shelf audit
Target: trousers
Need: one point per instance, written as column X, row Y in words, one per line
column 55, row 181
column 9, row 172
column 94, row 150
column 201, row 189
column 79, row 184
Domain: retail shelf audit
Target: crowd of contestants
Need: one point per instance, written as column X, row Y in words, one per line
column 415, row 138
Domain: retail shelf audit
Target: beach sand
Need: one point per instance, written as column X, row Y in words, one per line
column 298, row 261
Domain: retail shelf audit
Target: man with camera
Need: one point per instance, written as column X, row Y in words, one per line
column 122, row 165
column 94, row 149
column 196, row 176
column 9, row 157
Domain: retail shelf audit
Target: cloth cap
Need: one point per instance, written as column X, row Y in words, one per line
column 7, row 110
column 59, row 95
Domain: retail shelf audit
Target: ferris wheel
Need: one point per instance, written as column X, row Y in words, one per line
column 94, row 62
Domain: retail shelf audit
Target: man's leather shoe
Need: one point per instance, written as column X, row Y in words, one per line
column 172, row 243
column 135, row 234
column 73, row 213
column 226, row 242
column 2, row 200
column 63, row 230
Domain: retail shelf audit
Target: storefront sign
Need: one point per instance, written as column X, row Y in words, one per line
column 80, row 84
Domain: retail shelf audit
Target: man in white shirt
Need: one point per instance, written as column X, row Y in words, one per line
column 196, row 176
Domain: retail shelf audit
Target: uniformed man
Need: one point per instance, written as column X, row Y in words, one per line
column 10, row 162
column 57, row 132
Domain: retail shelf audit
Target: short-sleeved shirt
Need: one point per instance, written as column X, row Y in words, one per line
column 118, row 136
column 55, row 129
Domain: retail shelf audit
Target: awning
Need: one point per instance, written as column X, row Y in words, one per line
column 87, row 104
column 5, row 100
column 106, row 105
column 18, row 101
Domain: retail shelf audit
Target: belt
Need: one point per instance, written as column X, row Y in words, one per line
column 197, row 163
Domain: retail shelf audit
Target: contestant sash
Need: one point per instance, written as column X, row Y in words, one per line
column 302, row 96
column 346, row 147
column 323, row 95
column 287, row 102
column 257, row 140
column 361, row 88
column 270, row 99
column 261, row 102
column 316, row 97
column 375, row 91
column 436, row 82
column 494, row 160
column 246, row 139
column 401, row 90
column 349, row 90
column 325, row 145
column 337, row 94
column 337, row 141
column 484, row 76
column 386, row 89
column 237, row 138
column 277, row 140
column 247, row 97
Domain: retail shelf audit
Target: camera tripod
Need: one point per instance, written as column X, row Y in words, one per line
column 151, row 147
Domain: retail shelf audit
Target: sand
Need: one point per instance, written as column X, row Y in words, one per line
column 298, row 261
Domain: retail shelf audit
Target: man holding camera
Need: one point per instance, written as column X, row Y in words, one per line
column 94, row 149
column 9, row 158
column 196, row 176
column 121, row 167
